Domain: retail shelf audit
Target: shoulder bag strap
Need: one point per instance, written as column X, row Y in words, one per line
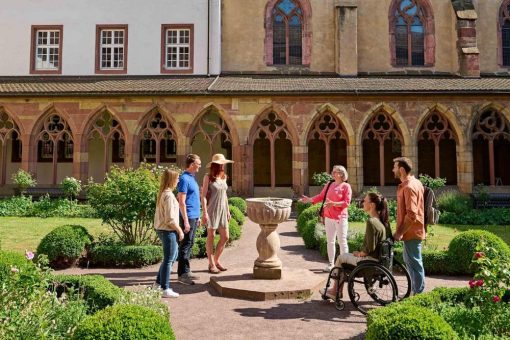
column 324, row 200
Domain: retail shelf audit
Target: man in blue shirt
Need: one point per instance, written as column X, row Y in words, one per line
column 189, row 205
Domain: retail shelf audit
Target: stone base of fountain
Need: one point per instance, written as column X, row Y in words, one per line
column 267, row 273
column 293, row 284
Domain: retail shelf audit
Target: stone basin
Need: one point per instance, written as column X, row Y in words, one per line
column 268, row 210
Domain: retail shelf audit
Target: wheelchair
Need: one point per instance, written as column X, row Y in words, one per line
column 371, row 284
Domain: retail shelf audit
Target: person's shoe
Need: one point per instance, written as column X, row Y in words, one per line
column 169, row 293
column 193, row 276
column 328, row 268
column 186, row 279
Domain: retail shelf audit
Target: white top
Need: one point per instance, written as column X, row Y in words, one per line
column 167, row 212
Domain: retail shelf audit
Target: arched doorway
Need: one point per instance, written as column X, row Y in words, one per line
column 211, row 135
column 437, row 149
column 10, row 146
column 272, row 153
column 105, row 144
column 491, row 149
column 158, row 142
column 327, row 145
column 55, row 147
column 382, row 142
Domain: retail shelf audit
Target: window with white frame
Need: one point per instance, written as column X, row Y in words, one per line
column 112, row 49
column 177, row 49
column 47, row 49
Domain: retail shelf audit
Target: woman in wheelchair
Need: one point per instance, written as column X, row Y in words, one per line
column 377, row 230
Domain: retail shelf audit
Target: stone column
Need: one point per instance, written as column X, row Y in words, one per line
column 469, row 59
column 346, row 37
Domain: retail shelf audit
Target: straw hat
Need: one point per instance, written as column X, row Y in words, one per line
column 219, row 159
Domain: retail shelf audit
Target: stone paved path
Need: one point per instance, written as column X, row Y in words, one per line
column 200, row 313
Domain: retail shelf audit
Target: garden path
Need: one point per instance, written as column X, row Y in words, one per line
column 200, row 313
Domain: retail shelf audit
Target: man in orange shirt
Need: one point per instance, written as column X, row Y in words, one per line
column 410, row 220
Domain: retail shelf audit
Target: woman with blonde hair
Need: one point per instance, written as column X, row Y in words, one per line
column 216, row 213
column 166, row 223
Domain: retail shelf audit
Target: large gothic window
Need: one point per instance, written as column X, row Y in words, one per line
column 272, row 153
column 211, row 135
column 55, row 144
column 327, row 145
column 157, row 140
column 504, row 33
column 288, row 35
column 411, row 33
column 9, row 134
column 382, row 142
column 106, row 142
column 437, row 153
column 491, row 148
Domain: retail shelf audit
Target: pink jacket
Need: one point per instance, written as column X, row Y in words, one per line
column 336, row 193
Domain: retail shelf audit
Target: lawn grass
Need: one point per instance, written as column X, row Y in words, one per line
column 439, row 236
column 20, row 233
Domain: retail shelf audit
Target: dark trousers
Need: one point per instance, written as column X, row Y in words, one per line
column 186, row 246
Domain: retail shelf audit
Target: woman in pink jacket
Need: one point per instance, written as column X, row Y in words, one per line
column 335, row 212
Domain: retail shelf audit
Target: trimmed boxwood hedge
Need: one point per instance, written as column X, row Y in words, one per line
column 124, row 322
column 239, row 203
column 404, row 321
column 64, row 245
column 234, row 230
column 97, row 291
column 463, row 246
column 236, row 214
column 126, row 256
column 308, row 214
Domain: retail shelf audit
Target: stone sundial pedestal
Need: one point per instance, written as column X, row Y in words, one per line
column 268, row 213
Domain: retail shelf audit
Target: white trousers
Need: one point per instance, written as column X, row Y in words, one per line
column 336, row 229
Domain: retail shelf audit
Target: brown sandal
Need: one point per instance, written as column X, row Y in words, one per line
column 220, row 267
column 213, row 270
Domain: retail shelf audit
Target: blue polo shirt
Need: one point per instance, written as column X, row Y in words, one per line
column 188, row 185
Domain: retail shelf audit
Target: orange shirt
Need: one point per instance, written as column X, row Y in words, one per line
column 410, row 210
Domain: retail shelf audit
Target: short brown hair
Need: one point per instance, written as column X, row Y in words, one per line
column 404, row 162
column 190, row 159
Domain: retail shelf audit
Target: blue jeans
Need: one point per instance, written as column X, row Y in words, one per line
column 186, row 246
column 414, row 263
column 170, row 249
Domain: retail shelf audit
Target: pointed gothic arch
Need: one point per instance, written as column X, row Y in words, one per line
column 382, row 141
column 10, row 141
column 327, row 142
column 490, row 139
column 104, row 141
column 437, row 147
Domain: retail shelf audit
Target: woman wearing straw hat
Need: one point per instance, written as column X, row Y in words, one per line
column 216, row 213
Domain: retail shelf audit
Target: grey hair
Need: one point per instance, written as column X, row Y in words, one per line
column 342, row 170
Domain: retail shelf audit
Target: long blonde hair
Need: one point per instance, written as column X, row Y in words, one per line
column 169, row 180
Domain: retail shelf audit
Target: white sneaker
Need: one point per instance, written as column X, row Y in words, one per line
column 169, row 293
column 328, row 268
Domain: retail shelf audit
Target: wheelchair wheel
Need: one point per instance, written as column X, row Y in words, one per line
column 371, row 286
column 339, row 305
column 402, row 279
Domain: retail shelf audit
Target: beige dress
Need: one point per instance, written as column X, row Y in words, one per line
column 217, row 204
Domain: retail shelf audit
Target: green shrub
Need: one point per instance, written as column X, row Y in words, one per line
column 307, row 214
column 199, row 247
column 96, row 290
column 10, row 261
column 454, row 202
column 401, row 321
column 309, row 234
column 491, row 216
column 125, row 322
column 234, row 230
column 434, row 261
column 126, row 202
column 148, row 297
column 432, row 183
column 64, row 245
column 356, row 214
column 239, row 203
column 23, row 180
column 16, row 206
column 301, row 206
column 71, row 187
column 125, row 256
column 321, row 178
column 463, row 246
column 237, row 214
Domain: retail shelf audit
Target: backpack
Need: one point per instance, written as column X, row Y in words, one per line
column 430, row 210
